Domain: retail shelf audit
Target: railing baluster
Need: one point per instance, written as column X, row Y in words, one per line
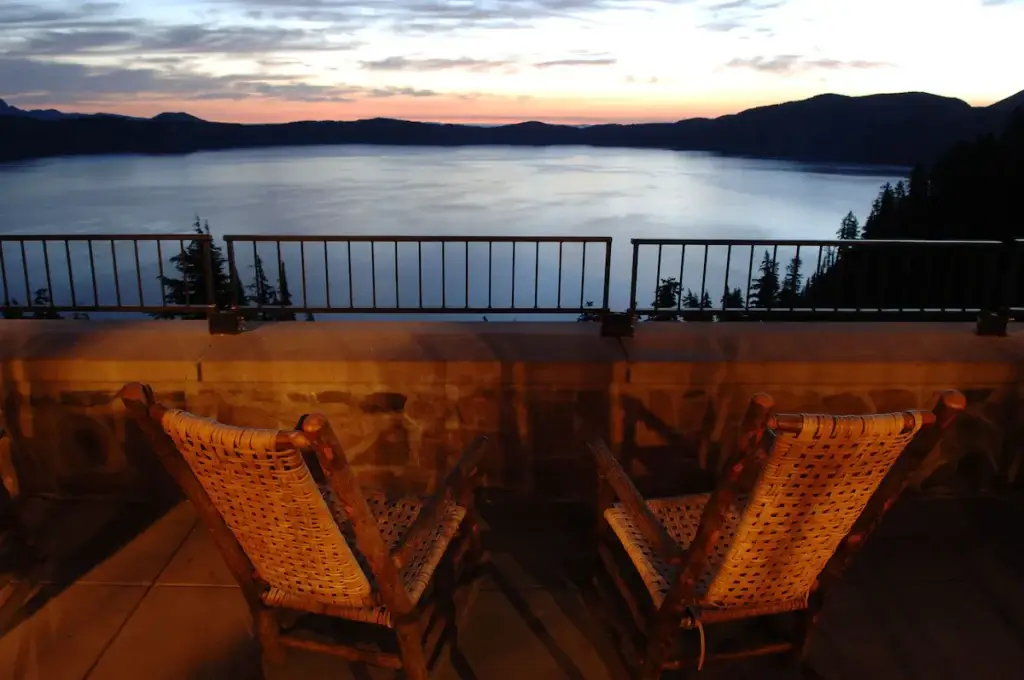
column 71, row 273
column 138, row 274
column 682, row 263
column 444, row 278
column 559, row 305
column 348, row 257
column 490, row 271
column 280, row 272
column 467, row 274
column 536, row 272
column 232, row 272
column 256, row 276
column 657, row 278
column 117, row 281
column 817, row 281
column 419, row 270
column 513, row 300
column 583, row 273
column 24, row 270
column 704, row 277
column 92, row 272
column 775, row 268
column 160, row 268
column 302, row 266
column 327, row 278
column 632, row 277
column 728, row 263
column 398, row 297
column 607, row 273
column 750, row 276
column 46, row 265
column 3, row 274
column 796, row 282
column 210, row 287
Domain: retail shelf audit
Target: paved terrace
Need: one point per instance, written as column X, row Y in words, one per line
column 129, row 592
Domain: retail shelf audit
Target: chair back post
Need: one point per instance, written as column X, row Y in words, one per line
column 147, row 413
column 950, row 405
column 342, row 480
column 752, row 450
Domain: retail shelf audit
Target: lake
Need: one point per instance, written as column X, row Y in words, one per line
column 478, row 191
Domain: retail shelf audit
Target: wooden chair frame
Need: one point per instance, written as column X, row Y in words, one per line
column 651, row 636
column 421, row 629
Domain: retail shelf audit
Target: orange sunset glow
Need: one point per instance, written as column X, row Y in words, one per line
column 568, row 61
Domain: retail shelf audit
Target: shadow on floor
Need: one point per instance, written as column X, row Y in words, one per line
column 937, row 594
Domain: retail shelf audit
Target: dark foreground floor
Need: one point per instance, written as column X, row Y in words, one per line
column 129, row 592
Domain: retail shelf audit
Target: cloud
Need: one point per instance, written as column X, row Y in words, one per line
column 642, row 80
column 16, row 14
column 432, row 15
column 592, row 61
column 421, row 65
column 30, row 81
column 190, row 38
column 736, row 14
column 792, row 63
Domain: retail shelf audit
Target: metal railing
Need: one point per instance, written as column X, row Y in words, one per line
column 730, row 279
column 416, row 274
column 45, row 275
column 279, row 277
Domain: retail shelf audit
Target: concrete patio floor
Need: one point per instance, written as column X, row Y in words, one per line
column 129, row 591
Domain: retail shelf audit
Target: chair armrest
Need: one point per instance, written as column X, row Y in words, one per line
column 457, row 486
column 650, row 526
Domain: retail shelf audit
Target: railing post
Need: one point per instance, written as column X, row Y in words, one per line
column 632, row 277
column 208, row 282
column 607, row 272
column 220, row 321
column 994, row 320
column 232, row 272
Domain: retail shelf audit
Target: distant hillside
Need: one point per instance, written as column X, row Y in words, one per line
column 889, row 129
column 177, row 117
column 49, row 114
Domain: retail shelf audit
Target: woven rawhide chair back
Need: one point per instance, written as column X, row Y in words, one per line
column 812, row 488
column 271, row 503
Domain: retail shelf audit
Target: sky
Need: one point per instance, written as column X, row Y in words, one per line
column 496, row 61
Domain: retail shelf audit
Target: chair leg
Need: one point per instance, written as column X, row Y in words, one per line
column 410, row 645
column 805, row 625
column 268, row 633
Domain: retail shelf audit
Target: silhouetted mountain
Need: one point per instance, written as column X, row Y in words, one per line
column 890, row 129
column 179, row 116
column 49, row 114
column 1010, row 103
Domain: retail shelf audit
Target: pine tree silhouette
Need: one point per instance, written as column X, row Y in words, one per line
column 765, row 289
column 789, row 294
column 666, row 297
column 284, row 294
column 190, row 287
column 261, row 293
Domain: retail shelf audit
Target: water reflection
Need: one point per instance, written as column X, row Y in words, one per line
column 621, row 193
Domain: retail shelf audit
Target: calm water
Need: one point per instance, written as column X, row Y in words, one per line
column 571, row 191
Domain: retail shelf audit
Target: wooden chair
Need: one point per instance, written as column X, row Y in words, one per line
column 318, row 561
column 797, row 500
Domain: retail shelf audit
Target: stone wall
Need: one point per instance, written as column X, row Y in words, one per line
column 405, row 397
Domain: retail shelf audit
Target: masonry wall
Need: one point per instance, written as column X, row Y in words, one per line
column 405, row 397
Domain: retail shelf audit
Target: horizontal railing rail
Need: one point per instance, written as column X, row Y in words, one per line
column 803, row 279
column 44, row 275
column 418, row 274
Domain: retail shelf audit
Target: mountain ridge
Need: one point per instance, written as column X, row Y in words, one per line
column 884, row 129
